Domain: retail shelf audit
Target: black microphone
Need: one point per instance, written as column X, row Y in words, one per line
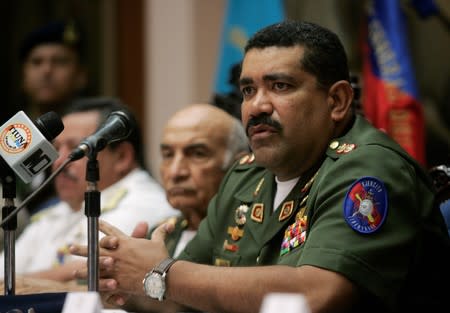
column 115, row 128
column 25, row 146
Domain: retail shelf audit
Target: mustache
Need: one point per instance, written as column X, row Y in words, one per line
column 264, row 119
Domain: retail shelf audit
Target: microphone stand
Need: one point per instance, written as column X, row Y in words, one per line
column 92, row 211
column 8, row 180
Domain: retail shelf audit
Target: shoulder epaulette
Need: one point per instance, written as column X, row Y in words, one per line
column 338, row 148
column 39, row 215
column 114, row 200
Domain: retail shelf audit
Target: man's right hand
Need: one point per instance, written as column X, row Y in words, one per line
column 125, row 260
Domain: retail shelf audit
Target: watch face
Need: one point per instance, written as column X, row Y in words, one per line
column 154, row 286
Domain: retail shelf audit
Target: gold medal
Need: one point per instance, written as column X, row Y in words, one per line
column 235, row 232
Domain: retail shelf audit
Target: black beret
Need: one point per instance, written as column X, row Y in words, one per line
column 66, row 33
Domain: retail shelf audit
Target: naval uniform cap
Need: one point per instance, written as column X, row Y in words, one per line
column 67, row 33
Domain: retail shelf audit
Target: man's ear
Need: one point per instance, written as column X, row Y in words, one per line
column 125, row 158
column 81, row 80
column 340, row 98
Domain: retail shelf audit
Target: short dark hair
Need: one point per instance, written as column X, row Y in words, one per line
column 105, row 106
column 324, row 55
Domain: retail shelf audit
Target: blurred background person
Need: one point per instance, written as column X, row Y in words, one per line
column 128, row 193
column 53, row 73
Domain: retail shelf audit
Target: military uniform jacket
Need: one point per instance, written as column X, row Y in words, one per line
column 322, row 221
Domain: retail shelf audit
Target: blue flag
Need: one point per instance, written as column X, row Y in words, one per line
column 243, row 18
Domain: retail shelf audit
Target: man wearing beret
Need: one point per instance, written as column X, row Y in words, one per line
column 53, row 73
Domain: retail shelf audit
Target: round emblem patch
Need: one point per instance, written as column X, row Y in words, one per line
column 365, row 205
column 15, row 138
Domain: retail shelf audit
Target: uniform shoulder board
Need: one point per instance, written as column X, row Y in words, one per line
column 114, row 200
column 39, row 215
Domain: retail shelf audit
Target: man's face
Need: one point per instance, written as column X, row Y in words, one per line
column 52, row 74
column 192, row 151
column 298, row 122
column 71, row 183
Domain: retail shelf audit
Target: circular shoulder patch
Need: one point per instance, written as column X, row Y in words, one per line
column 365, row 205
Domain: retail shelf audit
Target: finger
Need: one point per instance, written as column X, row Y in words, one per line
column 79, row 250
column 81, row 273
column 160, row 233
column 108, row 229
column 106, row 266
column 140, row 231
column 116, row 299
column 107, row 285
column 109, row 242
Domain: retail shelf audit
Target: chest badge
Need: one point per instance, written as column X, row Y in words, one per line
column 294, row 235
column 239, row 215
column 365, row 205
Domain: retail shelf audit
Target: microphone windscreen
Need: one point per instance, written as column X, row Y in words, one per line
column 50, row 125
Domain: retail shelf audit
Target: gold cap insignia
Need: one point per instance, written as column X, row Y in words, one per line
column 70, row 35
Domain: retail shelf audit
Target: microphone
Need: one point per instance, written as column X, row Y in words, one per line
column 25, row 146
column 116, row 127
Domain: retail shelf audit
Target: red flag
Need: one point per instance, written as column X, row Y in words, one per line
column 390, row 98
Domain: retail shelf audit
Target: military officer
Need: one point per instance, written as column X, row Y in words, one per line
column 199, row 144
column 333, row 208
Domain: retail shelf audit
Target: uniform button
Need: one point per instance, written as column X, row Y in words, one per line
column 257, row 259
column 334, row 144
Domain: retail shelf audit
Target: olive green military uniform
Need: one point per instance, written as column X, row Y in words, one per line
column 172, row 239
column 310, row 227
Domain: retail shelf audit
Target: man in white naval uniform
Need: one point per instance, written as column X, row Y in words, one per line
column 128, row 195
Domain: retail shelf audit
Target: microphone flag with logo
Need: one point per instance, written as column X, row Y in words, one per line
column 25, row 146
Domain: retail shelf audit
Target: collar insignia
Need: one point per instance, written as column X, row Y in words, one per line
column 286, row 210
column 258, row 187
column 258, row 212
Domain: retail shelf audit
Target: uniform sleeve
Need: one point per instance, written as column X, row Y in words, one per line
column 377, row 261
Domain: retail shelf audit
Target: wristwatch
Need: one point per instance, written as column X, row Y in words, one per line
column 155, row 281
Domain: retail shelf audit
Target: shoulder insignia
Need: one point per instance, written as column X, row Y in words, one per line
column 114, row 200
column 247, row 159
column 39, row 215
column 365, row 205
column 342, row 148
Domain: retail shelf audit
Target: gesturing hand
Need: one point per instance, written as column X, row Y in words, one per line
column 124, row 260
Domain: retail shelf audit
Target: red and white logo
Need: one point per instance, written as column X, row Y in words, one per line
column 15, row 138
